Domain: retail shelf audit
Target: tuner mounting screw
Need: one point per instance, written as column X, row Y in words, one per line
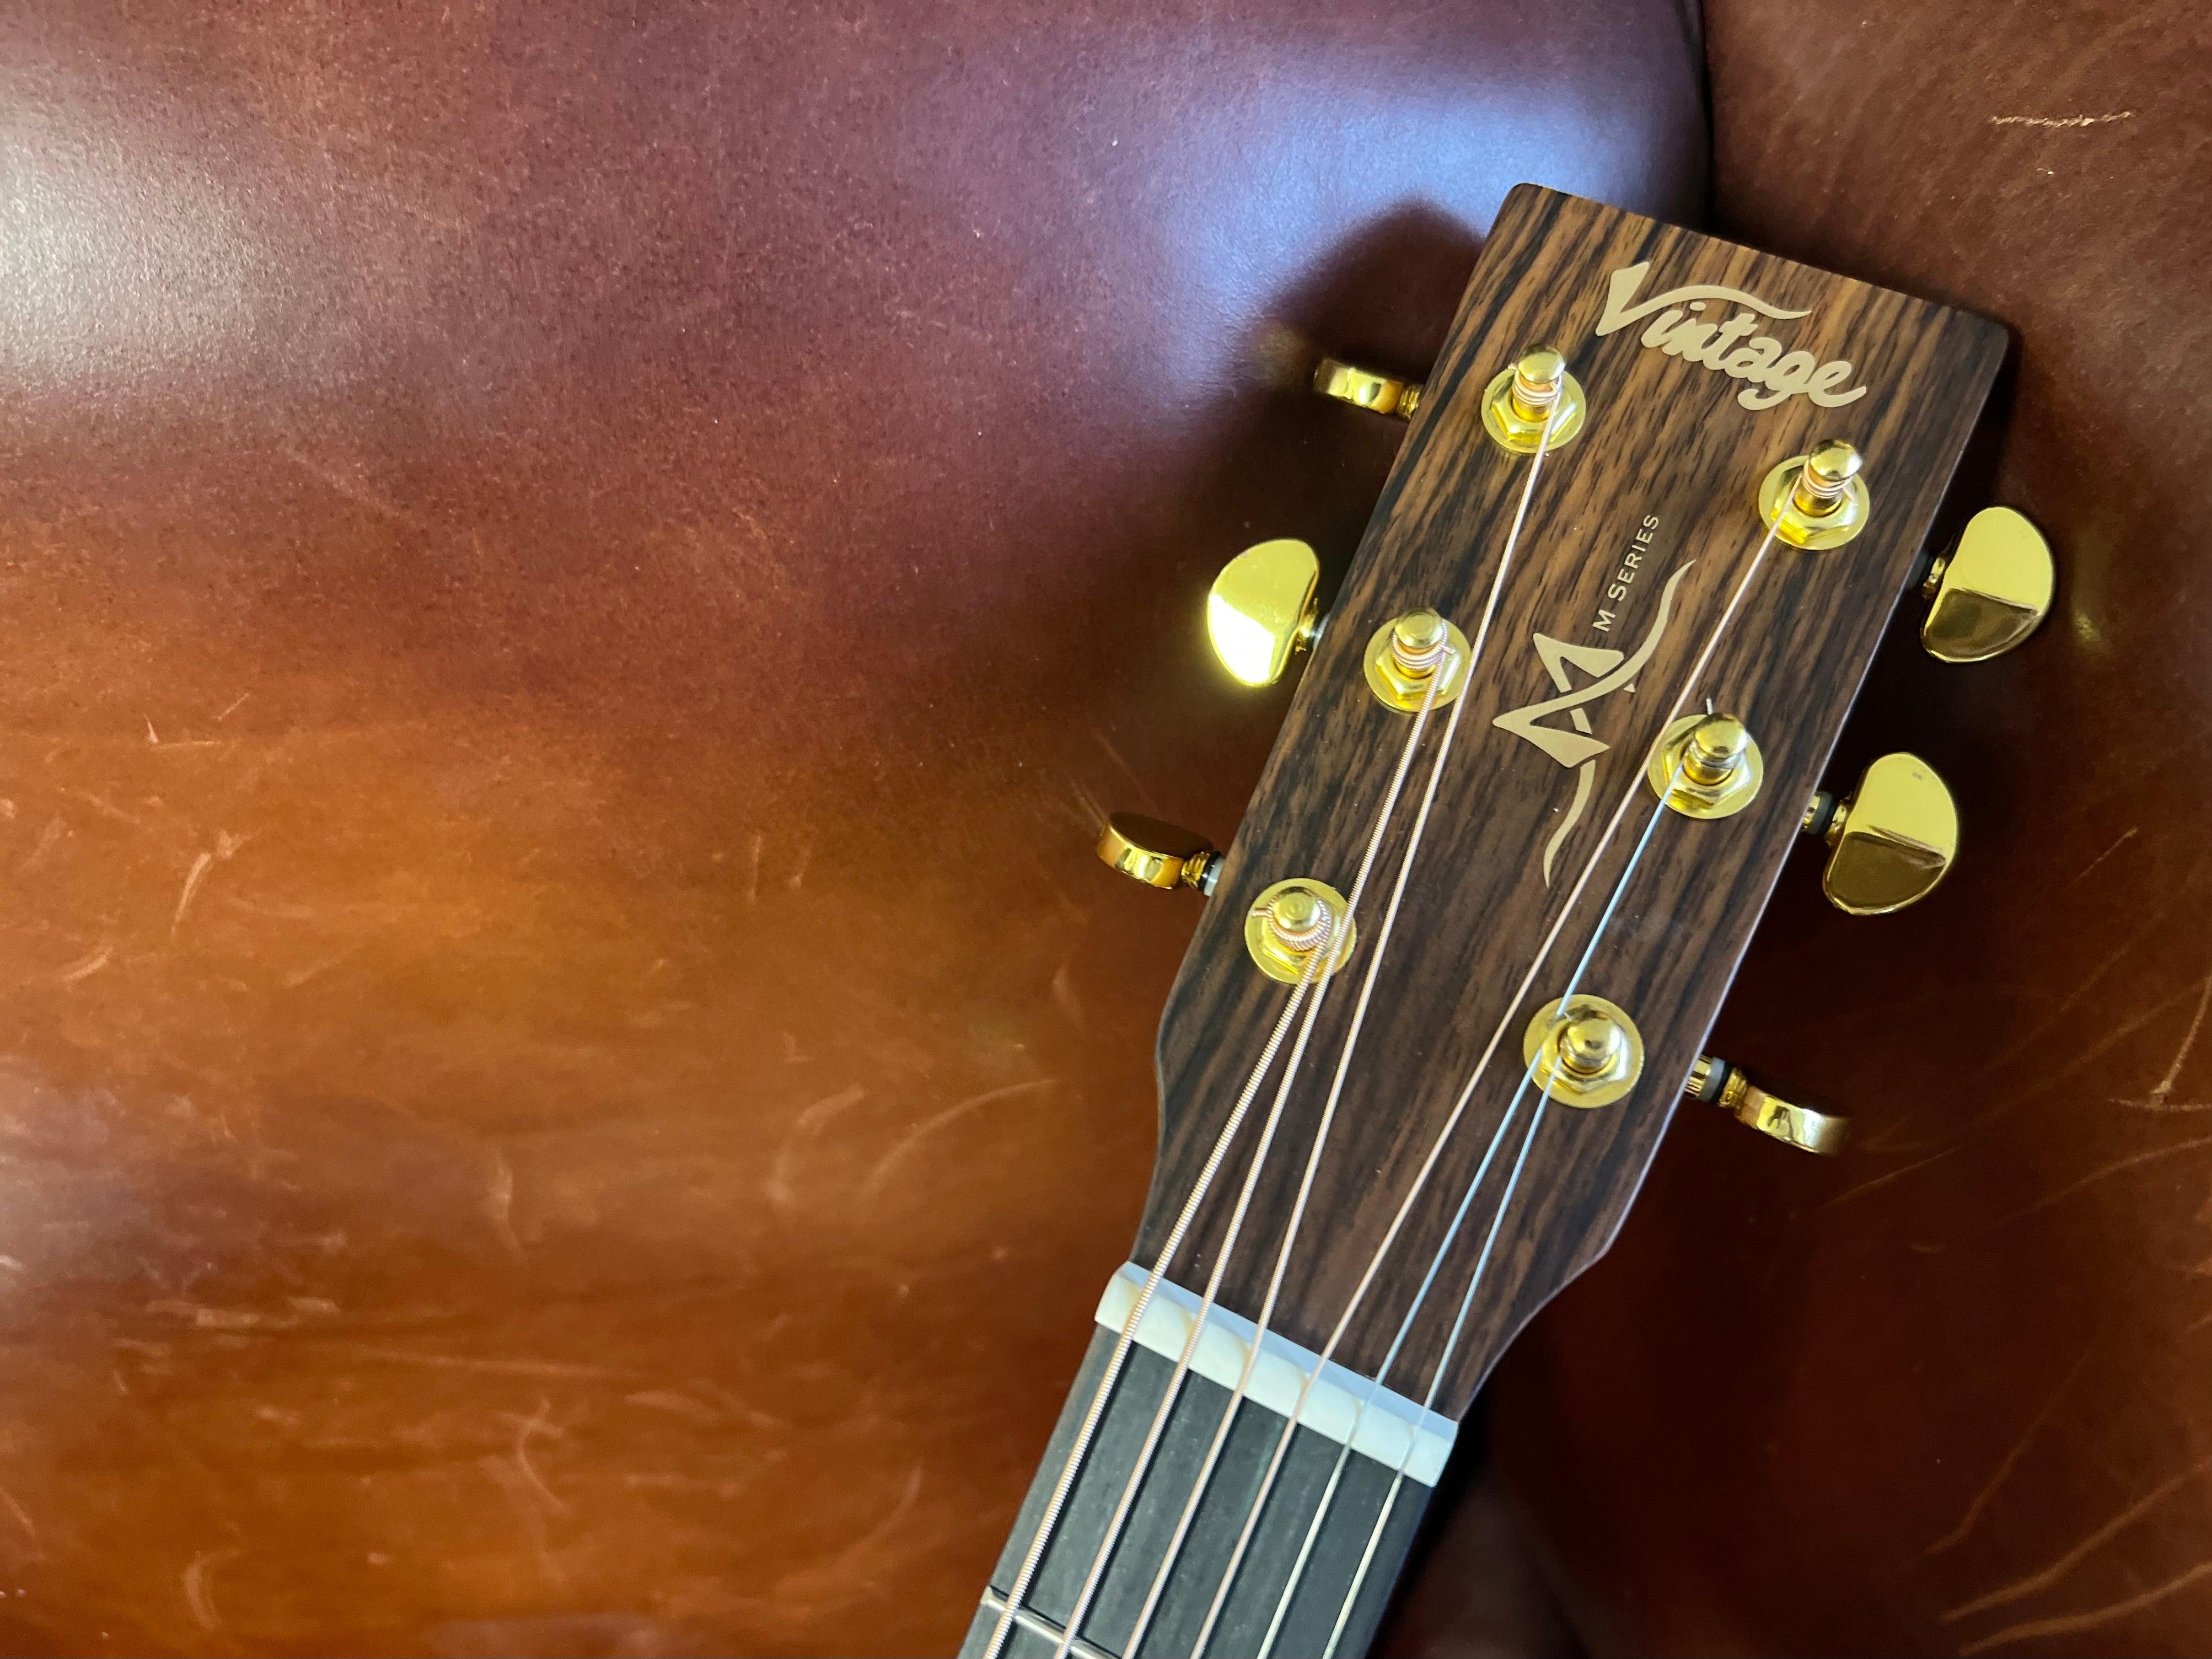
column 1364, row 388
column 1583, row 1051
column 1891, row 842
column 1292, row 921
column 1516, row 404
column 1715, row 1081
column 1707, row 766
column 1990, row 591
column 1160, row 854
column 1262, row 608
column 1816, row 501
column 1403, row 658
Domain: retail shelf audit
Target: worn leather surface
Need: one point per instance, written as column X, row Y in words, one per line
column 579, row 578
column 1952, row 1392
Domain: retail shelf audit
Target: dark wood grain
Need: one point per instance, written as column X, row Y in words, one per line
column 1665, row 438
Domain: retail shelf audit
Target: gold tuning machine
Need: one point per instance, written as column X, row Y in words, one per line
column 1890, row 841
column 1364, row 388
column 1263, row 607
column 1818, row 500
column 1160, row 854
column 1807, row 1128
column 1990, row 591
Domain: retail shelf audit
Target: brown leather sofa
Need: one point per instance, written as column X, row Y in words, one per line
column 582, row 575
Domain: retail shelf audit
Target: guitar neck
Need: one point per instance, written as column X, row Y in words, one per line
column 1339, row 1574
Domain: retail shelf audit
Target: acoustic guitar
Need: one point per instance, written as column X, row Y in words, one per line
column 1568, row 709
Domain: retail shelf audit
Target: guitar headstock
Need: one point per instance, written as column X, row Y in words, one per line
column 1621, row 626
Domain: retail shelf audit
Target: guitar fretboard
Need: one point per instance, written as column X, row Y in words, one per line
column 1333, row 1558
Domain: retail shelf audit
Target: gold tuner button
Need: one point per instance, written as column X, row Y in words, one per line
column 1818, row 500
column 1517, row 404
column 1366, row 389
column 1707, row 766
column 1263, row 608
column 1160, row 854
column 1890, row 841
column 1713, row 1080
column 1990, row 591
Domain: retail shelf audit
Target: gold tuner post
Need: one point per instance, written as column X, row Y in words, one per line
column 1890, row 841
column 1518, row 402
column 1713, row 1080
column 1292, row 923
column 1160, row 854
column 1816, row 501
column 1583, row 1051
column 1990, row 591
column 1263, row 608
column 1707, row 766
column 1405, row 657
column 1366, row 389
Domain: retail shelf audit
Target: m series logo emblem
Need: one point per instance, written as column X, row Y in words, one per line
column 1734, row 348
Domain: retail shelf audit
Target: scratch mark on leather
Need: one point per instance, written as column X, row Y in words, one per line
column 86, row 965
column 197, row 1594
column 1143, row 795
column 2074, row 1557
column 1064, row 997
column 903, row 1147
column 23, row 1516
column 538, row 1423
column 225, row 846
column 2059, row 121
column 807, row 1586
column 2095, row 1176
column 1973, row 1514
column 781, row 1192
column 48, row 837
column 2107, row 853
column 354, row 490
column 1850, row 1193
column 496, row 1367
column 2064, row 1623
column 499, row 1203
column 2157, row 1100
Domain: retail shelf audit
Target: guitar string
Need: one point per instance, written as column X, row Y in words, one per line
column 1065, row 1480
column 1481, row 1263
column 1096, row 1411
column 1451, row 1122
column 1183, row 1522
column 1458, row 1217
column 1096, row 1571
